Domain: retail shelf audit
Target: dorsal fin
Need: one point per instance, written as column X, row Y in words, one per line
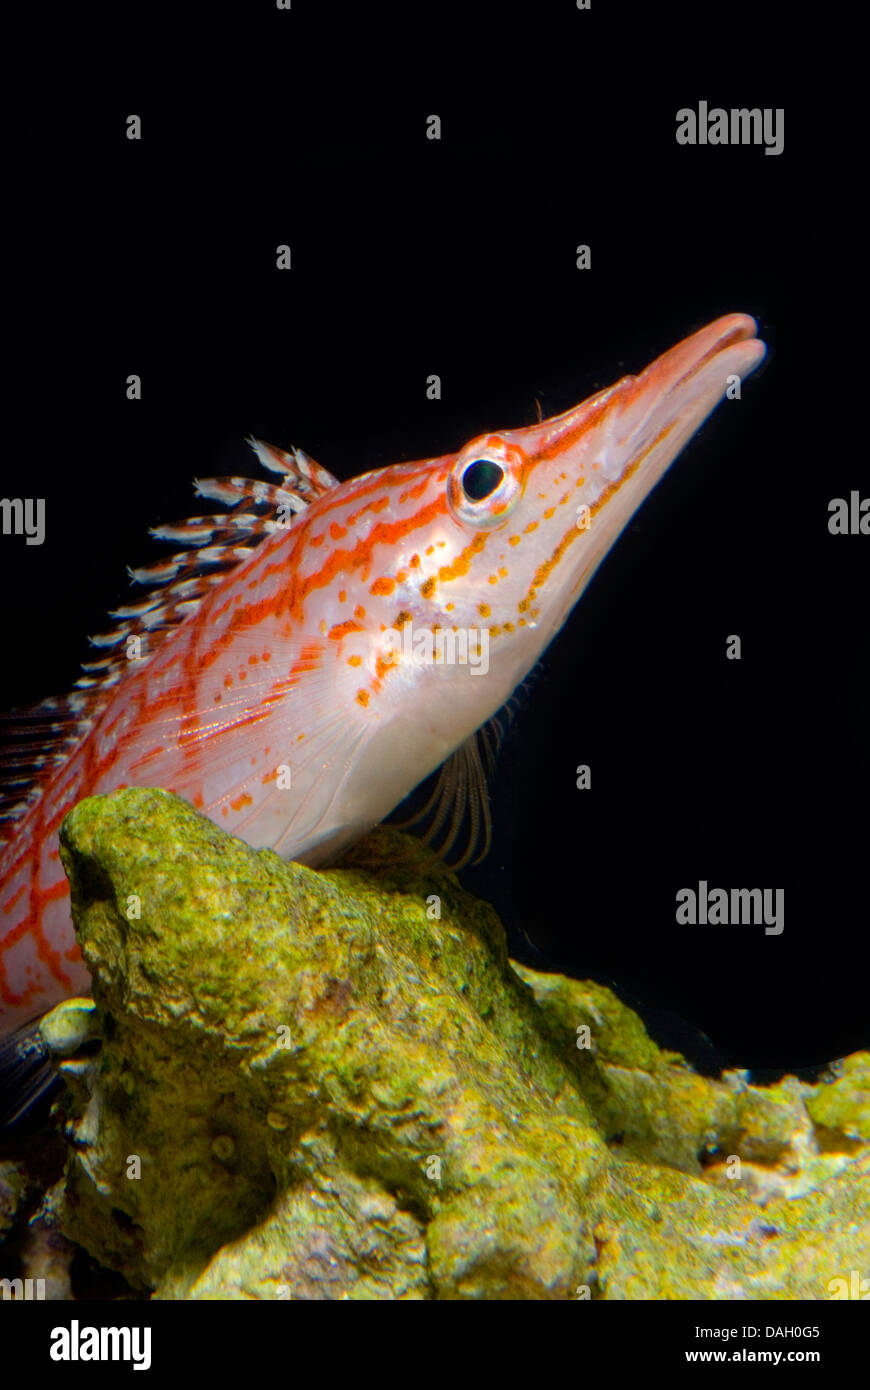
column 37, row 739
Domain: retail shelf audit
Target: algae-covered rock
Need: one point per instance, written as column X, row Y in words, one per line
column 777, row 1140
column 669, row 1236
column 297, row 1084
column 13, row 1190
column 284, row 1050
column 45, row 1253
column 647, row 1101
column 840, row 1105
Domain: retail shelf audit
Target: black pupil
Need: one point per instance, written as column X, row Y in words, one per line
column 481, row 479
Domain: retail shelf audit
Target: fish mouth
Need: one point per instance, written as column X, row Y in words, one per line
column 629, row 434
column 646, row 419
column 643, row 422
column 659, row 410
column 693, row 352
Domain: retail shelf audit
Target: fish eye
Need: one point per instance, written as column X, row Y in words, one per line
column 486, row 481
column 481, row 478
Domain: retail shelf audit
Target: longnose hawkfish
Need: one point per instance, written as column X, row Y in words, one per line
column 281, row 681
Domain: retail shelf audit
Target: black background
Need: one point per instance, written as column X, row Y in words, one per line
column 457, row 257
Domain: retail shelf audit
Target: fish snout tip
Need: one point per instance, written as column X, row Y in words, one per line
column 740, row 328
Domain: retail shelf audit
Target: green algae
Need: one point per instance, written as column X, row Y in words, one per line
column 272, row 1033
column 840, row 1106
column 336, row 1085
column 14, row 1184
column 648, row 1102
column 672, row 1237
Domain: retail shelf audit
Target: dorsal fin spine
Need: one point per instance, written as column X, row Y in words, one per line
column 216, row 545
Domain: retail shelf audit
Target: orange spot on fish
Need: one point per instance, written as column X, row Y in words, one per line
column 362, row 697
column 342, row 595
column 376, row 506
column 243, row 800
column 309, row 659
column 532, row 526
column 412, row 493
column 427, row 588
column 341, row 630
column 383, row 586
column 513, row 540
column 462, row 564
column 316, row 540
column 337, row 532
column 551, row 511
column 359, row 612
column 354, row 661
column 414, row 561
column 483, row 609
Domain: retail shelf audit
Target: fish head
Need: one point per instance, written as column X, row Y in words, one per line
column 531, row 512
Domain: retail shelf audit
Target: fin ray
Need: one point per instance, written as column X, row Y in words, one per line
column 26, row 1073
column 216, row 545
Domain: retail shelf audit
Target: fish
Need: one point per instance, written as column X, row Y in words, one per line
column 318, row 649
